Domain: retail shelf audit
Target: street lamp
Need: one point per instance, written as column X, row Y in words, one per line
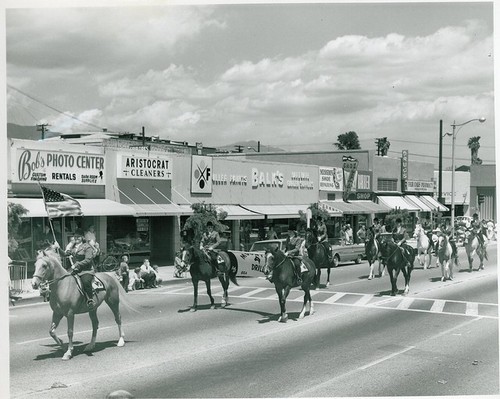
column 454, row 136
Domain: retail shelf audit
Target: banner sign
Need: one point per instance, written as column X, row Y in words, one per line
column 350, row 167
column 132, row 166
column 330, row 179
column 201, row 174
column 419, row 186
column 249, row 264
column 58, row 167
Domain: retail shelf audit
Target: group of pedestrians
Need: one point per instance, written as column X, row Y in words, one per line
column 143, row 277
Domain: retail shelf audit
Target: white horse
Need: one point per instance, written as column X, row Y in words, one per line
column 473, row 247
column 445, row 254
column 423, row 247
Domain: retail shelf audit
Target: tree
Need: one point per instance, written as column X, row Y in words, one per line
column 347, row 141
column 196, row 224
column 315, row 212
column 14, row 220
column 474, row 146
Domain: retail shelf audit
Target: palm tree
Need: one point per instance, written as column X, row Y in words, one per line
column 347, row 141
column 474, row 146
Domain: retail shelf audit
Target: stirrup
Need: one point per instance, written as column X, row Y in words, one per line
column 90, row 304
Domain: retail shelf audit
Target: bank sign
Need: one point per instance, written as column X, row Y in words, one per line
column 156, row 167
column 57, row 167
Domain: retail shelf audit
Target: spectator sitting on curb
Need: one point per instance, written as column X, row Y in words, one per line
column 136, row 282
column 148, row 274
column 158, row 280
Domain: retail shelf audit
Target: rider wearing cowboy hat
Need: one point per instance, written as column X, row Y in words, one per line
column 322, row 234
column 83, row 258
column 209, row 241
column 400, row 235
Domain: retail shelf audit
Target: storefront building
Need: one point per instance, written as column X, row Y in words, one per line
column 483, row 191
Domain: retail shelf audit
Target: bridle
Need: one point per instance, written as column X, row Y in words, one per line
column 44, row 282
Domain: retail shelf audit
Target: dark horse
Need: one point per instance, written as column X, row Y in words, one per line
column 372, row 252
column 66, row 299
column 396, row 262
column 284, row 278
column 201, row 269
column 319, row 255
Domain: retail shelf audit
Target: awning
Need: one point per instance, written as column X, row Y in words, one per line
column 339, row 208
column 236, row 212
column 397, row 202
column 418, row 202
column 277, row 211
column 90, row 207
column 161, row 209
column 433, row 203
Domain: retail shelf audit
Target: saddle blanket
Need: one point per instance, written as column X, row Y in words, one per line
column 303, row 267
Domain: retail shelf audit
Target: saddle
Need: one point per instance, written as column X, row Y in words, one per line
column 97, row 284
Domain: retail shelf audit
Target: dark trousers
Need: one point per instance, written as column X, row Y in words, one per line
column 149, row 279
column 87, row 284
column 125, row 280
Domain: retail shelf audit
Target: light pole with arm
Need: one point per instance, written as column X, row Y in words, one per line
column 454, row 136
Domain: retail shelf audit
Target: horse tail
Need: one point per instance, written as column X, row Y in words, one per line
column 111, row 280
column 231, row 265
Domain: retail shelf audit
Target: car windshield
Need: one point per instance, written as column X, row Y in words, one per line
column 263, row 246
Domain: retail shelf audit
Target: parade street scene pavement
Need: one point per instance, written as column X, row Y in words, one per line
column 441, row 339
column 250, row 200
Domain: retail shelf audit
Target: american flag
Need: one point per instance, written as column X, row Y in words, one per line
column 59, row 204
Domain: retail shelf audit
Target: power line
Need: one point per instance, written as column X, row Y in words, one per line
column 53, row 108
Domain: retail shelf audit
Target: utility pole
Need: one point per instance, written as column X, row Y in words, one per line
column 440, row 170
column 41, row 128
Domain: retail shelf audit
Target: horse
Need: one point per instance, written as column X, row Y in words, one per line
column 424, row 246
column 396, row 262
column 472, row 247
column 202, row 269
column 67, row 300
column 317, row 252
column 445, row 255
column 284, row 278
column 372, row 252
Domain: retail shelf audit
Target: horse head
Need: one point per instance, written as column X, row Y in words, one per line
column 187, row 256
column 44, row 267
column 418, row 231
column 310, row 237
column 370, row 233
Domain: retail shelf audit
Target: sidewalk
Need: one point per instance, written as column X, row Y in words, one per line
column 166, row 273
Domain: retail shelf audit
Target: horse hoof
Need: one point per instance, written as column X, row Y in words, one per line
column 370, row 277
column 192, row 310
column 89, row 348
column 327, row 284
column 121, row 342
column 67, row 356
column 301, row 316
column 443, row 279
column 212, row 307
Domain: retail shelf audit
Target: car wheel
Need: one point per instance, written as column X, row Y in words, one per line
column 336, row 260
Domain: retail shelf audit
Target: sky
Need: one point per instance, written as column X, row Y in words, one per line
column 293, row 76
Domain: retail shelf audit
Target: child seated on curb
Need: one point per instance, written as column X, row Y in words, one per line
column 158, row 278
column 135, row 281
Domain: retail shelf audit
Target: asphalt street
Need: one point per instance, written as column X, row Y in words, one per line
column 441, row 339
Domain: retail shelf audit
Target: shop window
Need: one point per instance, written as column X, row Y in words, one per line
column 128, row 234
column 387, row 184
column 330, row 196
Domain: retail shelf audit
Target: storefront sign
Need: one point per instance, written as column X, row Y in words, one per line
column 59, row 167
column 350, row 166
column 330, row 179
column 142, row 224
column 404, row 165
column 364, row 196
column 419, row 186
column 201, row 175
column 150, row 166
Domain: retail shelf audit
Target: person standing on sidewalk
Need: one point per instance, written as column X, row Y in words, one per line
column 124, row 272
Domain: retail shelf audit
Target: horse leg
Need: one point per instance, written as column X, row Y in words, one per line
column 56, row 319
column 209, row 293
column 95, row 325
column 284, row 317
column 406, row 274
column 71, row 322
column 328, row 275
column 394, row 288
column 195, row 300
column 441, row 264
column 450, row 268
column 307, row 298
column 381, row 268
column 113, row 302
column 317, row 278
column 279, row 291
column 224, row 280
column 370, row 276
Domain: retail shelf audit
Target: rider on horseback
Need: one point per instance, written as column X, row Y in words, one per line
column 400, row 235
column 293, row 248
column 322, row 234
column 83, row 257
column 209, row 241
column 478, row 228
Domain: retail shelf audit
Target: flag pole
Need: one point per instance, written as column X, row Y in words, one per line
column 48, row 214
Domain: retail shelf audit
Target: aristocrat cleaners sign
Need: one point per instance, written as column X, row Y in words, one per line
column 58, row 167
column 144, row 167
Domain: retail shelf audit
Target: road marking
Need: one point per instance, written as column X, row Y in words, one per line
column 385, row 358
column 471, row 309
column 437, row 306
column 364, row 300
column 405, row 303
column 336, row 296
column 256, row 291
